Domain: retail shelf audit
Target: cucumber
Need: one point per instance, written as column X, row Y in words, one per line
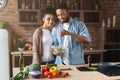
column 92, row 68
column 51, row 65
column 19, row 76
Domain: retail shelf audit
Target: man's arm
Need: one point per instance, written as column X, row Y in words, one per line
column 79, row 38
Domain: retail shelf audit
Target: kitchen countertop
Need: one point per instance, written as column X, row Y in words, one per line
column 86, row 51
column 29, row 53
column 94, row 50
column 77, row 75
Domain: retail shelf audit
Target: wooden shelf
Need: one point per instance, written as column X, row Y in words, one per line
column 75, row 10
column 93, row 25
column 113, row 28
column 29, row 10
column 91, row 11
column 28, row 23
column 112, row 36
column 112, row 43
column 90, row 4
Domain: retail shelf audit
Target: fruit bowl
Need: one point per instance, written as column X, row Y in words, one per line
column 58, row 50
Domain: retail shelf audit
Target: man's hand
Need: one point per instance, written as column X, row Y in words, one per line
column 73, row 35
column 64, row 32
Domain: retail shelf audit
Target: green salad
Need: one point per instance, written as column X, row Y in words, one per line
column 58, row 50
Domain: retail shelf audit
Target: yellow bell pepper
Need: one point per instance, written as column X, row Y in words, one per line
column 53, row 69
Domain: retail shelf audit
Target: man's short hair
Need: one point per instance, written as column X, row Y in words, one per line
column 62, row 6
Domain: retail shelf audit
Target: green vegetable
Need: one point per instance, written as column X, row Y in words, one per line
column 59, row 49
column 34, row 67
column 51, row 65
column 19, row 76
column 92, row 68
column 26, row 70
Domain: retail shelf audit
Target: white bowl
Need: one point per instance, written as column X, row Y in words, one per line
column 21, row 49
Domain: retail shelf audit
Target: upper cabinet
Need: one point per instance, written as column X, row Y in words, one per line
column 112, row 36
column 87, row 11
column 28, row 12
column 90, row 4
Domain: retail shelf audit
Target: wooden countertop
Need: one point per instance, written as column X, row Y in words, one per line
column 25, row 52
column 95, row 50
column 77, row 75
column 29, row 53
column 86, row 51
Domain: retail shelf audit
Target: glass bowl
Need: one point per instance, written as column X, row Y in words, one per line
column 58, row 50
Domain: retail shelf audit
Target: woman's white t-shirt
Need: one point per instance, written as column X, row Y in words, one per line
column 47, row 43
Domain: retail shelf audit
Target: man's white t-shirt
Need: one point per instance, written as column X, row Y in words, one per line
column 65, row 44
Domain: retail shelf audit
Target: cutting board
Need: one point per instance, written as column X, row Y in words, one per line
column 4, row 55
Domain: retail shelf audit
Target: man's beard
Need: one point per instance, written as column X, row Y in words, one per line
column 67, row 20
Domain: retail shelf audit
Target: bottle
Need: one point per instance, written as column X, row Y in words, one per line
column 89, row 60
column 108, row 22
column 33, row 4
column 76, row 6
column 23, row 4
column 42, row 4
column 103, row 23
column 21, row 62
column 68, row 4
column 114, row 20
column 60, row 1
column 48, row 3
column 96, row 7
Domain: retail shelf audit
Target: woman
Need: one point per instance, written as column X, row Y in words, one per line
column 42, row 39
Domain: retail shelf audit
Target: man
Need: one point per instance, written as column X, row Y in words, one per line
column 71, row 34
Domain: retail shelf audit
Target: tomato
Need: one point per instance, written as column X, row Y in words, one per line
column 46, row 73
column 55, row 74
column 65, row 74
column 49, row 76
